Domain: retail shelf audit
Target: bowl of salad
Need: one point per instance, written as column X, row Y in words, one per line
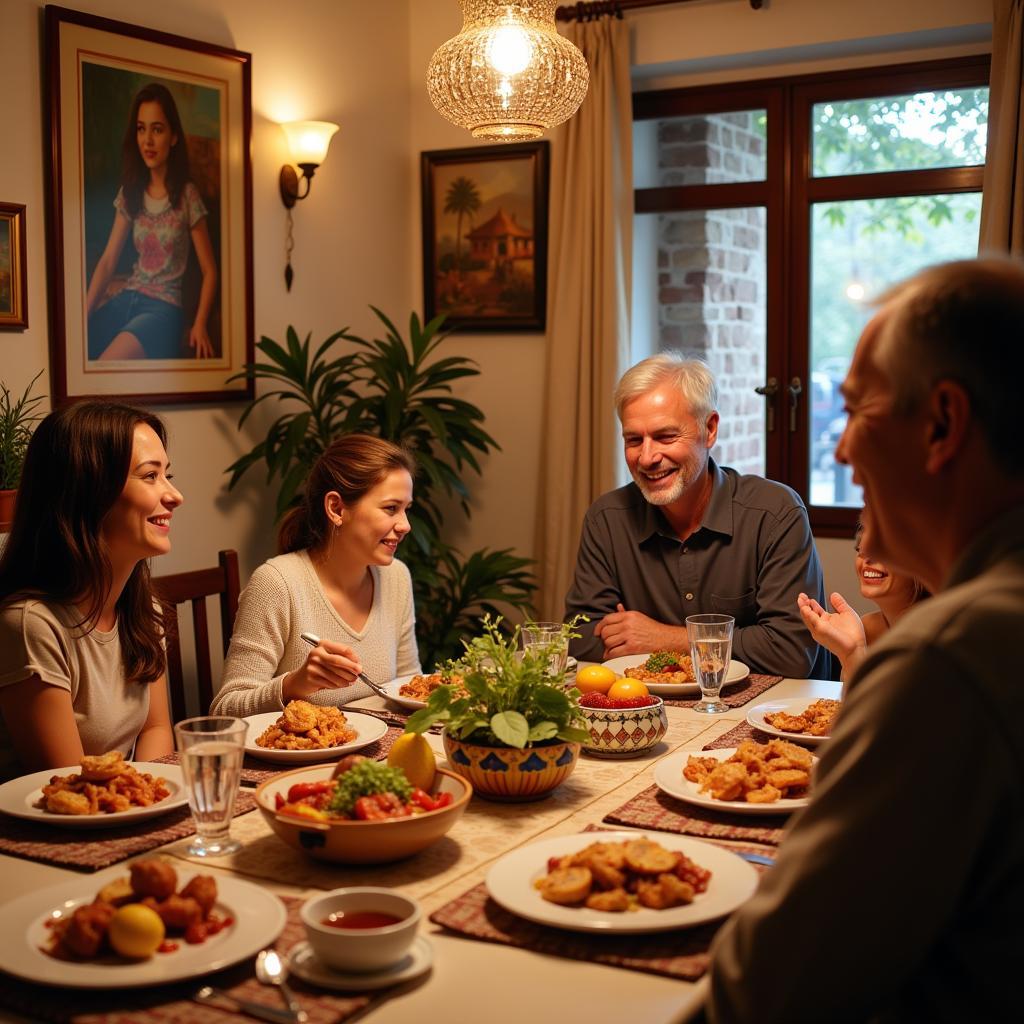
column 360, row 811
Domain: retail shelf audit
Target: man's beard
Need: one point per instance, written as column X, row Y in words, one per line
column 688, row 473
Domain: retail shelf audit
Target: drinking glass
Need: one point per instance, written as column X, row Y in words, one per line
column 547, row 637
column 211, row 750
column 710, row 648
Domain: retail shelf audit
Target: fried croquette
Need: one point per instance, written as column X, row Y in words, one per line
column 757, row 773
column 153, row 877
column 86, row 793
column 304, row 726
column 86, row 930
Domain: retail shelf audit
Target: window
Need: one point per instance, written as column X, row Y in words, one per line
column 767, row 216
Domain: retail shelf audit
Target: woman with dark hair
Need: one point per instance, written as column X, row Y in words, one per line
column 81, row 637
column 337, row 577
column 843, row 631
column 161, row 207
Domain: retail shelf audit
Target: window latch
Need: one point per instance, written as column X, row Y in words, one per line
column 768, row 391
column 795, row 389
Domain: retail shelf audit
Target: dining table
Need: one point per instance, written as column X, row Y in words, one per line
column 470, row 979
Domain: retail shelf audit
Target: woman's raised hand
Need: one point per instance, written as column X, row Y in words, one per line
column 841, row 631
column 328, row 666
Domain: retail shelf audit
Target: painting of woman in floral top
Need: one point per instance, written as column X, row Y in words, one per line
column 160, row 207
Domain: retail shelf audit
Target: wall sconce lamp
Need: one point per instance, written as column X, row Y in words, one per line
column 308, row 142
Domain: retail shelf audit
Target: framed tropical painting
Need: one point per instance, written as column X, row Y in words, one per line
column 150, row 228
column 485, row 236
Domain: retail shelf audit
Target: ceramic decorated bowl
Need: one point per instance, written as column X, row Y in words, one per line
column 361, row 842
column 509, row 773
column 624, row 732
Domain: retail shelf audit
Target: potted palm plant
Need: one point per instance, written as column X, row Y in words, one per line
column 510, row 725
column 17, row 419
column 398, row 388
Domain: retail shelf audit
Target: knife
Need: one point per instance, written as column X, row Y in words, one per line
column 756, row 858
column 211, row 995
column 313, row 640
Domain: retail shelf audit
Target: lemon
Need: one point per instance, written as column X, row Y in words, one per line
column 136, row 931
column 626, row 689
column 413, row 755
column 595, row 679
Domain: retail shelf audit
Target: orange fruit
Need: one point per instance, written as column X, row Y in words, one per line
column 595, row 679
column 624, row 689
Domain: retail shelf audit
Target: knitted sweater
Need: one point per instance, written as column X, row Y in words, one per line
column 284, row 598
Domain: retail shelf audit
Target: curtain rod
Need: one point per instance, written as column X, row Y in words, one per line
column 597, row 8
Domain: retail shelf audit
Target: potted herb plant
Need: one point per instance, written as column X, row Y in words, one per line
column 17, row 419
column 516, row 733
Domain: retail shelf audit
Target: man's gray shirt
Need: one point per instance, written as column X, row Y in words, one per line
column 750, row 558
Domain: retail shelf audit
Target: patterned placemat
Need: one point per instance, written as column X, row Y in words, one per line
column 172, row 1004
column 96, row 848
column 734, row 737
column 657, row 810
column 735, row 696
column 255, row 772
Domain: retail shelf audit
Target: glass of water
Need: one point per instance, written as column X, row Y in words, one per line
column 710, row 648
column 549, row 637
column 211, row 749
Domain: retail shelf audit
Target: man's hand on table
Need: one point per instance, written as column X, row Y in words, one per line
column 624, row 632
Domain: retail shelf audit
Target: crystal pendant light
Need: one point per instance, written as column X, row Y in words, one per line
column 508, row 75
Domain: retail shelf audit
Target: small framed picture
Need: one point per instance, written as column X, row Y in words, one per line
column 150, row 198
column 485, row 236
column 13, row 288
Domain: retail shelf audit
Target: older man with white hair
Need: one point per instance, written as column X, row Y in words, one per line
column 689, row 537
column 899, row 892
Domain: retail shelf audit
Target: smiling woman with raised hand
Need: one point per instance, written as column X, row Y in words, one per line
column 81, row 636
column 336, row 577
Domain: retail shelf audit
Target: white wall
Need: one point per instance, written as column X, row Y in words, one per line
column 323, row 60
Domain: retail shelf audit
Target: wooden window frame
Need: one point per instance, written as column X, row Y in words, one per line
column 788, row 193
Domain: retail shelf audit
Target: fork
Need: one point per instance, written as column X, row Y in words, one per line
column 313, row 640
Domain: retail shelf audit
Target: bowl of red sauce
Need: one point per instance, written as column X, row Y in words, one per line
column 360, row 929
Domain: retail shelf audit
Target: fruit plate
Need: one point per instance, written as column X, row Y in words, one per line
column 257, row 919
column 511, row 884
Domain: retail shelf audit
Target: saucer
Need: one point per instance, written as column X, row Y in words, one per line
column 303, row 962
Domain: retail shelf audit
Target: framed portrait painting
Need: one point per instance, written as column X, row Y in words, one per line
column 150, row 233
column 485, row 236
column 13, row 288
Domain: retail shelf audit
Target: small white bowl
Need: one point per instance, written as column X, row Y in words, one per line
column 361, row 950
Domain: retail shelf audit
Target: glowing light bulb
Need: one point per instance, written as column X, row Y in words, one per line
column 855, row 291
column 509, row 50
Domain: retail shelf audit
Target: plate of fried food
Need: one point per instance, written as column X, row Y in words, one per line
column 753, row 778
column 411, row 692
column 796, row 719
column 144, row 926
column 306, row 733
column 623, row 882
column 105, row 792
column 669, row 673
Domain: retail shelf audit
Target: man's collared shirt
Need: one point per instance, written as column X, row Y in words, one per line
column 750, row 558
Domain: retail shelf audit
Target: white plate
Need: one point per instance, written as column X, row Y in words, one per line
column 258, row 919
column 18, row 796
column 510, row 882
column 668, row 774
column 736, row 674
column 793, row 706
column 367, row 730
column 303, row 962
column 395, row 685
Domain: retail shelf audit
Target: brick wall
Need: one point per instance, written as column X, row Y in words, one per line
column 711, row 273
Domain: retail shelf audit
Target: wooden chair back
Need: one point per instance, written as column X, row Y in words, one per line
column 196, row 586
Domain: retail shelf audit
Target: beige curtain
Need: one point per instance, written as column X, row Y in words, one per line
column 1002, row 203
column 588, row 304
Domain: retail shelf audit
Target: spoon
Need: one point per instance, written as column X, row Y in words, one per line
column 217, row 997
column 313, row 640
column 271, row 971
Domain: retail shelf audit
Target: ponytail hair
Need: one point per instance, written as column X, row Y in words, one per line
column 351, row 465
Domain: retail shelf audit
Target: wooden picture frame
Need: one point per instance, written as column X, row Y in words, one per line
column 485, row 236
column 171, row 318
column 13, row 285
